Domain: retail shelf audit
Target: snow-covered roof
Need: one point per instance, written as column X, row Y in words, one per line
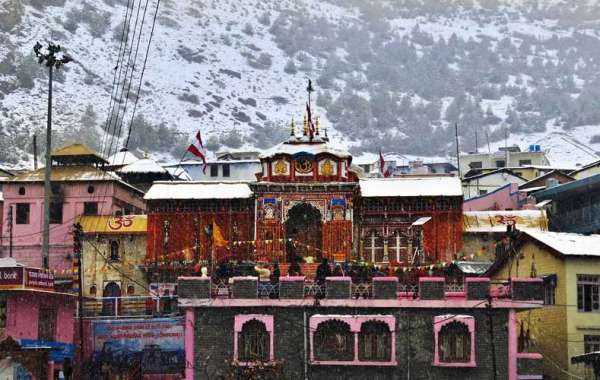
column 411, row 187
column 144, row 165
column 497, row 220
column 304, row 148
column 179, row 173
column 568, row 244
column 198, row 190
column 122, row 158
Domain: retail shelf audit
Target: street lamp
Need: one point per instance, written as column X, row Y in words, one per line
column 50, row 58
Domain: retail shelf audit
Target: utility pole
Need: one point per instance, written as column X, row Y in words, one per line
column 489, row 312
column 35, row 153
column 10, row 231
column 78, row 264
column 50, row 59
column 457, row 148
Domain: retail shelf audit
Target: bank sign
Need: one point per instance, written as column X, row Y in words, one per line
column 25, row 278
column 156, row 344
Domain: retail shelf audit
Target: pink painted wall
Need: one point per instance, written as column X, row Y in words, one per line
column 23, row 314
column 27, row 238
column 504, row 198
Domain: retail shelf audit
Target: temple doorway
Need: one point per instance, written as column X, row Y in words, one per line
column 304, row 232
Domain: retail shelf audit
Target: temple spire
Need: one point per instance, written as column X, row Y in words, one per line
column 292, row 128
column 305, row 126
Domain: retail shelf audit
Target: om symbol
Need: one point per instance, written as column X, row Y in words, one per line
column 119, row 222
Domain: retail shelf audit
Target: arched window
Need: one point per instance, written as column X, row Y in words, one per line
column 334, row 340
column 114, row 250
column 254, row 342
column 374, row 342
column 454, row 343
column 130, row 290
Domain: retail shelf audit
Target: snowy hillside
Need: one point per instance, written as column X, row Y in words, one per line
column 390, row 75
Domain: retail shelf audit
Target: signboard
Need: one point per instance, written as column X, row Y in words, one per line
column 58, row 351
column 39, row 279
column 156, row 344
column 11, row 278
column 25, row 278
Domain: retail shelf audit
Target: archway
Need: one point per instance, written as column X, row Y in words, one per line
column 304, row 232
column 110, row 302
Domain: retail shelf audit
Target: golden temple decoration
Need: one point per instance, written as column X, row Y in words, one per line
column 327, row 168
column 280, row 167
column 293, row 128
column 305, row 125
column 317, row 125
column 303, row 166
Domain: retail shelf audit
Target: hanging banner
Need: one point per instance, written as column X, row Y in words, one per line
column 25, row 278
column 156, row 344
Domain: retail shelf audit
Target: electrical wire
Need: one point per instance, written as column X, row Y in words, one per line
column 137, row 97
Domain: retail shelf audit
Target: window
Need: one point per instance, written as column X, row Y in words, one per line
column 550, row 289
column 21, row 190
column 500, row 163
column 587, row 293
column 226, row 170
column 22, row 213
column 253, row 342
column 214, row 170
column 90, row 208
column 476, row 165
column 524, row 162
column 334, row 341
column 56, row 213
column 454, row 341
column 374, row 342
column 93, row 290
column 253, row 338
column 130, row 290
column 46, row 323
column 365, row 340
column 591, row 343
column 91, row 189
column 114, row 250
column 374, row 245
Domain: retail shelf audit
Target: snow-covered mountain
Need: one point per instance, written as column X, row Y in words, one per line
column 391, row 75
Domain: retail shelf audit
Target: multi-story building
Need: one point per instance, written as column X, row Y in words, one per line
column 511, row 157
column 114, row 251
column 569, row 265
column 573, row 206
column 79, row 187
column 393, row 332
column 36, row 324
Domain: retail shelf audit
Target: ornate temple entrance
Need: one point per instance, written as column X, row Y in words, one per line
column 304, row 232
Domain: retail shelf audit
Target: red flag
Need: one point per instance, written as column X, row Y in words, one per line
column 311, row 126
column 196, row 149
column 385, row 172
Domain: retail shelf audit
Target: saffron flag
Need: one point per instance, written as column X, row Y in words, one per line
column 385, row 172
column 217, row 236
column 196, row 149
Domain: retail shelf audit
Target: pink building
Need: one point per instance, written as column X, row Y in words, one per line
column 79, row 187
column 35, row 317
column 507, row 197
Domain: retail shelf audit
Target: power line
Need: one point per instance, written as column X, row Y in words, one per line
column 137, row 97
column 137, row 48
column 115, row 70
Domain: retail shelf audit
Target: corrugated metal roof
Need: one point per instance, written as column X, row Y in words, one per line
column 75, row 150
column 81, row 173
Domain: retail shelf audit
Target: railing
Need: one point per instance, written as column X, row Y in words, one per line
column 315, row 290
column 454, row 287
column 130, row 306
column 220, row 290
column 362, row 290
column 408, row 288
column 268, row 290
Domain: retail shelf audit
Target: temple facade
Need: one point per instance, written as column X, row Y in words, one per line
column 308, row 202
